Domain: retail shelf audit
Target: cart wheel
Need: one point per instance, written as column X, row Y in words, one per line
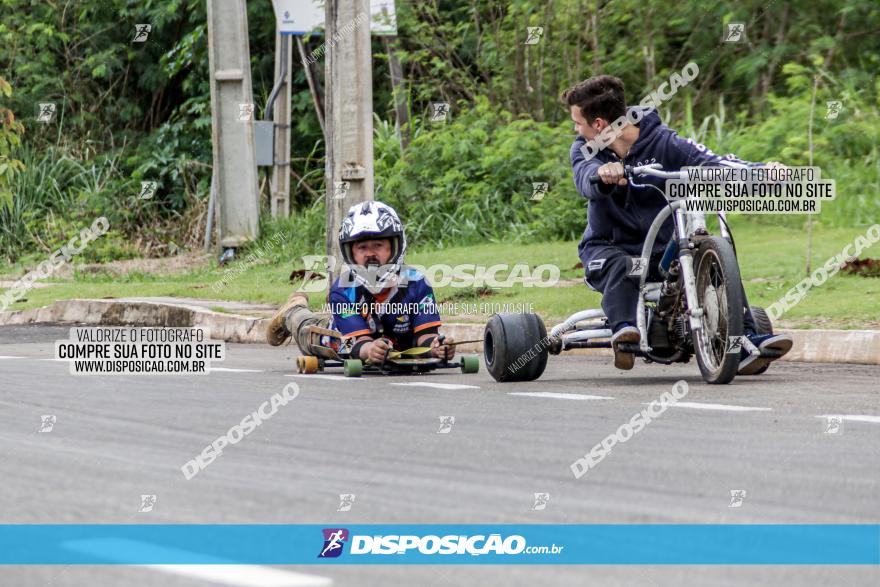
column 470, row 364
column 299, row 364
column 310, row 364
column 762, row 320
column 352, row 367
column 512, row 347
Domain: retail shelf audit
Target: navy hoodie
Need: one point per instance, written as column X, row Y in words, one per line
column 621, row 215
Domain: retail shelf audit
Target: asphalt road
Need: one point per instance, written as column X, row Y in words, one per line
column 116, row 438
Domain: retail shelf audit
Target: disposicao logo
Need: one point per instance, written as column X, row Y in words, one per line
column 472, row 545
column 393, row 544
column 334, row 540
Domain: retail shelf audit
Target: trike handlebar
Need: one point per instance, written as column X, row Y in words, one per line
column 654, row 169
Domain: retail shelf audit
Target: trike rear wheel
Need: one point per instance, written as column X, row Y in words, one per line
column 515, row 347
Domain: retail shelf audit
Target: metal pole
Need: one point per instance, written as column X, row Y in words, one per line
column 313, row 88
column 209, row 223
column 280, row 73
column 401, row 112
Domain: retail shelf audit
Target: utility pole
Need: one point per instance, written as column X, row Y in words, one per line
column 349, row 113
column 232, row 116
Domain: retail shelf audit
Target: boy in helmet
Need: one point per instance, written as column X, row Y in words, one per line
column 377, row 303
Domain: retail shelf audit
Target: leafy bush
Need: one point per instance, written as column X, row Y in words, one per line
column 847, row 148
column 303, row 233
column 470, row 180
column 10, row 131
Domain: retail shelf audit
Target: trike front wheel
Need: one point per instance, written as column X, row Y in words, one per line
column 720, row 296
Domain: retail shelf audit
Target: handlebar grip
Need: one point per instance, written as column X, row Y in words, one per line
column 627, row 173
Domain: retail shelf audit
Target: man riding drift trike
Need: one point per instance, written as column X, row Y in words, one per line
column 669, row 288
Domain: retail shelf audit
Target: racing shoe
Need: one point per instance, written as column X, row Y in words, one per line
column 772, row 347
column 627, row 334
column 277, row 331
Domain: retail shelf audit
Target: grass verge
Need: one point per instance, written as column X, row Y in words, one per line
column 771, row 261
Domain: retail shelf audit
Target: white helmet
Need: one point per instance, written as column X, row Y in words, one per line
column 373, row 220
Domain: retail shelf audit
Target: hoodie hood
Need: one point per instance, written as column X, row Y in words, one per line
column 649, row 127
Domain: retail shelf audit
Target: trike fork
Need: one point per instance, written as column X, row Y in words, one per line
column 685, row 257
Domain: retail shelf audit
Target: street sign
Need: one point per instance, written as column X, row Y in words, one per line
column 300, row 17
column 383, row 18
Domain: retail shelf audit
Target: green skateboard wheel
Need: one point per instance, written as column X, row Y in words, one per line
column 470, row 364
column 352, row 367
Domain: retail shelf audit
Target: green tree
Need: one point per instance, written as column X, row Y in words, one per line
column 10, row 137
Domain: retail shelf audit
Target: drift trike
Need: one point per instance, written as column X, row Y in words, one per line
column 696, row 310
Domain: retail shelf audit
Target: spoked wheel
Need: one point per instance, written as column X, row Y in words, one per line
column 719, row 292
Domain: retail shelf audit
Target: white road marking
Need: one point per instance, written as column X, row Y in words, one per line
column 554, row 395
column 231, row 370
column 218, row 570
column 853, row 418
column 244, row 575
column 723, row 407
column 320, row 376
column 437, row 385
column 9, row 357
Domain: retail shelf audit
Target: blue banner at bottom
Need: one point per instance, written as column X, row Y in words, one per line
column 270, row 544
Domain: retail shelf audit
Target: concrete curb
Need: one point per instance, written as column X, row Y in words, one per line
column 221, row 326
column 810, row 346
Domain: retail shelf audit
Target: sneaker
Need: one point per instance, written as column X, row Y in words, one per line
column 772, row 347
column 277, row 332
column 628, row 334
